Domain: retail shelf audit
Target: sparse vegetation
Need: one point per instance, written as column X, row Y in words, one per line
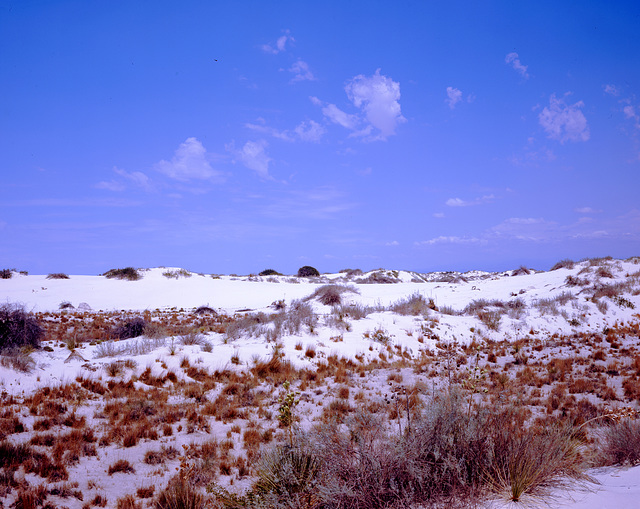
column 128, row 273
column 18, row 328
column 57, row 275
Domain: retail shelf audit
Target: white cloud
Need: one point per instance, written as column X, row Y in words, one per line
column 305, row 131
column 378, row 97
column 564, row 122
column 137, row 178
column 189, row 162
column 439, row 215
column 457, row 202
column 392, row 243
column 111, row 185
column 514, row 60
column 451, row 240
column 337, row 116
column 309, row 131
column 453, row 96
column 262, row 128
column 301, row 72
column 586, row 210
column 280, row 44
column 254, row 157
column 611, row 90
column 630, row 112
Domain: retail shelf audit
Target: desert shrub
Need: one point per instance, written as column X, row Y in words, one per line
column 58, row 275
column 121, row 466
column 193, row 338
column 352, row 272
column 66, row 305
column 413, row 305
column 287, row 477
column 620, row 443
column 270, row 272
column 204, row 310
column 176, row 274
column 128, row 273
column 575, row 281
column 521, row 271
column 308, row 271
column 130, row 328
column 18, row 360
column 128, row 502
column 563, row 264
column 330, row 295
column 379, row 277
column 180, row 494
column 18, row 328
column 6, row 273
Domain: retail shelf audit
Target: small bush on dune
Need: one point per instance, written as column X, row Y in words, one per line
column 18, row 328
column 176, row 274
column 330, row 295
column 128, row 273
column 58, row 275
column 521, row 271
column 270, row 272
column 6, row 273
column 308, row 271
column 563, row 264
column 413, row 305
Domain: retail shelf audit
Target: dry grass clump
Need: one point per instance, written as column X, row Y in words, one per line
column 121, row 466
column 180, row 494
column 299, row 316
column 563, row 264
column 331, row 295
column 620, row 443
column 176, row 274
column 414, row 305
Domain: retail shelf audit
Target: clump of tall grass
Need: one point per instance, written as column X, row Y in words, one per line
column 330, row 295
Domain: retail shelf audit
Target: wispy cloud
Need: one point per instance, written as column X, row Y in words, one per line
column 457, row 202
column 307, row 130
column 137, row 178
column 586, row 210
column 190, row 162
column 611, row 90
column 254, row 156
column 280, row 44
column 514, row 61
column 451, row 240
column 301, row 72
column 564, row 122
column 454, row 96
column 337, row 116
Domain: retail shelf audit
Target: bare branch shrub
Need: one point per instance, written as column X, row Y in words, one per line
column 18, row 328
column 176, row 274
column 620, row 443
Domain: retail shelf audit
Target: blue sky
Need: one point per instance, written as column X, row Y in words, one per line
column 231, row 137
